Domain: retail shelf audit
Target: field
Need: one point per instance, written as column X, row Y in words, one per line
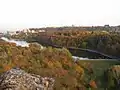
column 98, row 66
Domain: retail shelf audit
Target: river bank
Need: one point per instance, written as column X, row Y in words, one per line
column 83, row 54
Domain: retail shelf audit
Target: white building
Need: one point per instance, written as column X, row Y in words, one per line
column 11, row 33
column 36, row 30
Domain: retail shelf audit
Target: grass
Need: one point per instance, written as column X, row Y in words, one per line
column 98, row 66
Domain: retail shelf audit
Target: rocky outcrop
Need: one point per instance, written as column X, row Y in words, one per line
column 17, row 79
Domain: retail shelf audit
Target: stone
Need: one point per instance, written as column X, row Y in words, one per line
column 17, row 79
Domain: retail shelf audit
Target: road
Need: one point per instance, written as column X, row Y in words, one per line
column 88, row 50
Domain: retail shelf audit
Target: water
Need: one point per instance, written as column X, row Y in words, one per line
column 86, row 54
column 79, row 58
column 77, row 54
column 18, row 42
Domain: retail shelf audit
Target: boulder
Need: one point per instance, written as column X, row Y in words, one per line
column 17, row 79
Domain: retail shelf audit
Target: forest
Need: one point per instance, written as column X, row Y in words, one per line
column 99, row 40
column 59, row 64
column 102, row 41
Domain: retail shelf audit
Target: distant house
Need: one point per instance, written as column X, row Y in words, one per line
column 115, row 29
column 1, row 34
column 41, row 30
column 36, row 30
column 105, row 32
column 11, row 33
column 106, row 26
column 18, row 32
column 25, row 30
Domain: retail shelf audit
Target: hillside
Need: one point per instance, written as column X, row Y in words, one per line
column 56, row 63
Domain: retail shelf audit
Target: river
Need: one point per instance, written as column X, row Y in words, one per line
column 18, row 42
column 78, row 53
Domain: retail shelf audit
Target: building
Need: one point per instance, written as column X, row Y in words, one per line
column 1, row 34
column 36, row 30
column 11, row 33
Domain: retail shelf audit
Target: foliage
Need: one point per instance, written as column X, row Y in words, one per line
column 58, row 63
column 52, row 62
column 106, row 42
column 113, row 77
column 92, row 84
column 96, row 38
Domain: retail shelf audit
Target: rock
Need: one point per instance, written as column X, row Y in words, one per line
column 17, row 79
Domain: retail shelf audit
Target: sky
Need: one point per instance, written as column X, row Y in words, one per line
column 18, row 14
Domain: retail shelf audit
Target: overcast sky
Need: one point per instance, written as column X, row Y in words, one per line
column 41, row 13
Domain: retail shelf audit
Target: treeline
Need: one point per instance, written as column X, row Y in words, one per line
column 102, row 41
